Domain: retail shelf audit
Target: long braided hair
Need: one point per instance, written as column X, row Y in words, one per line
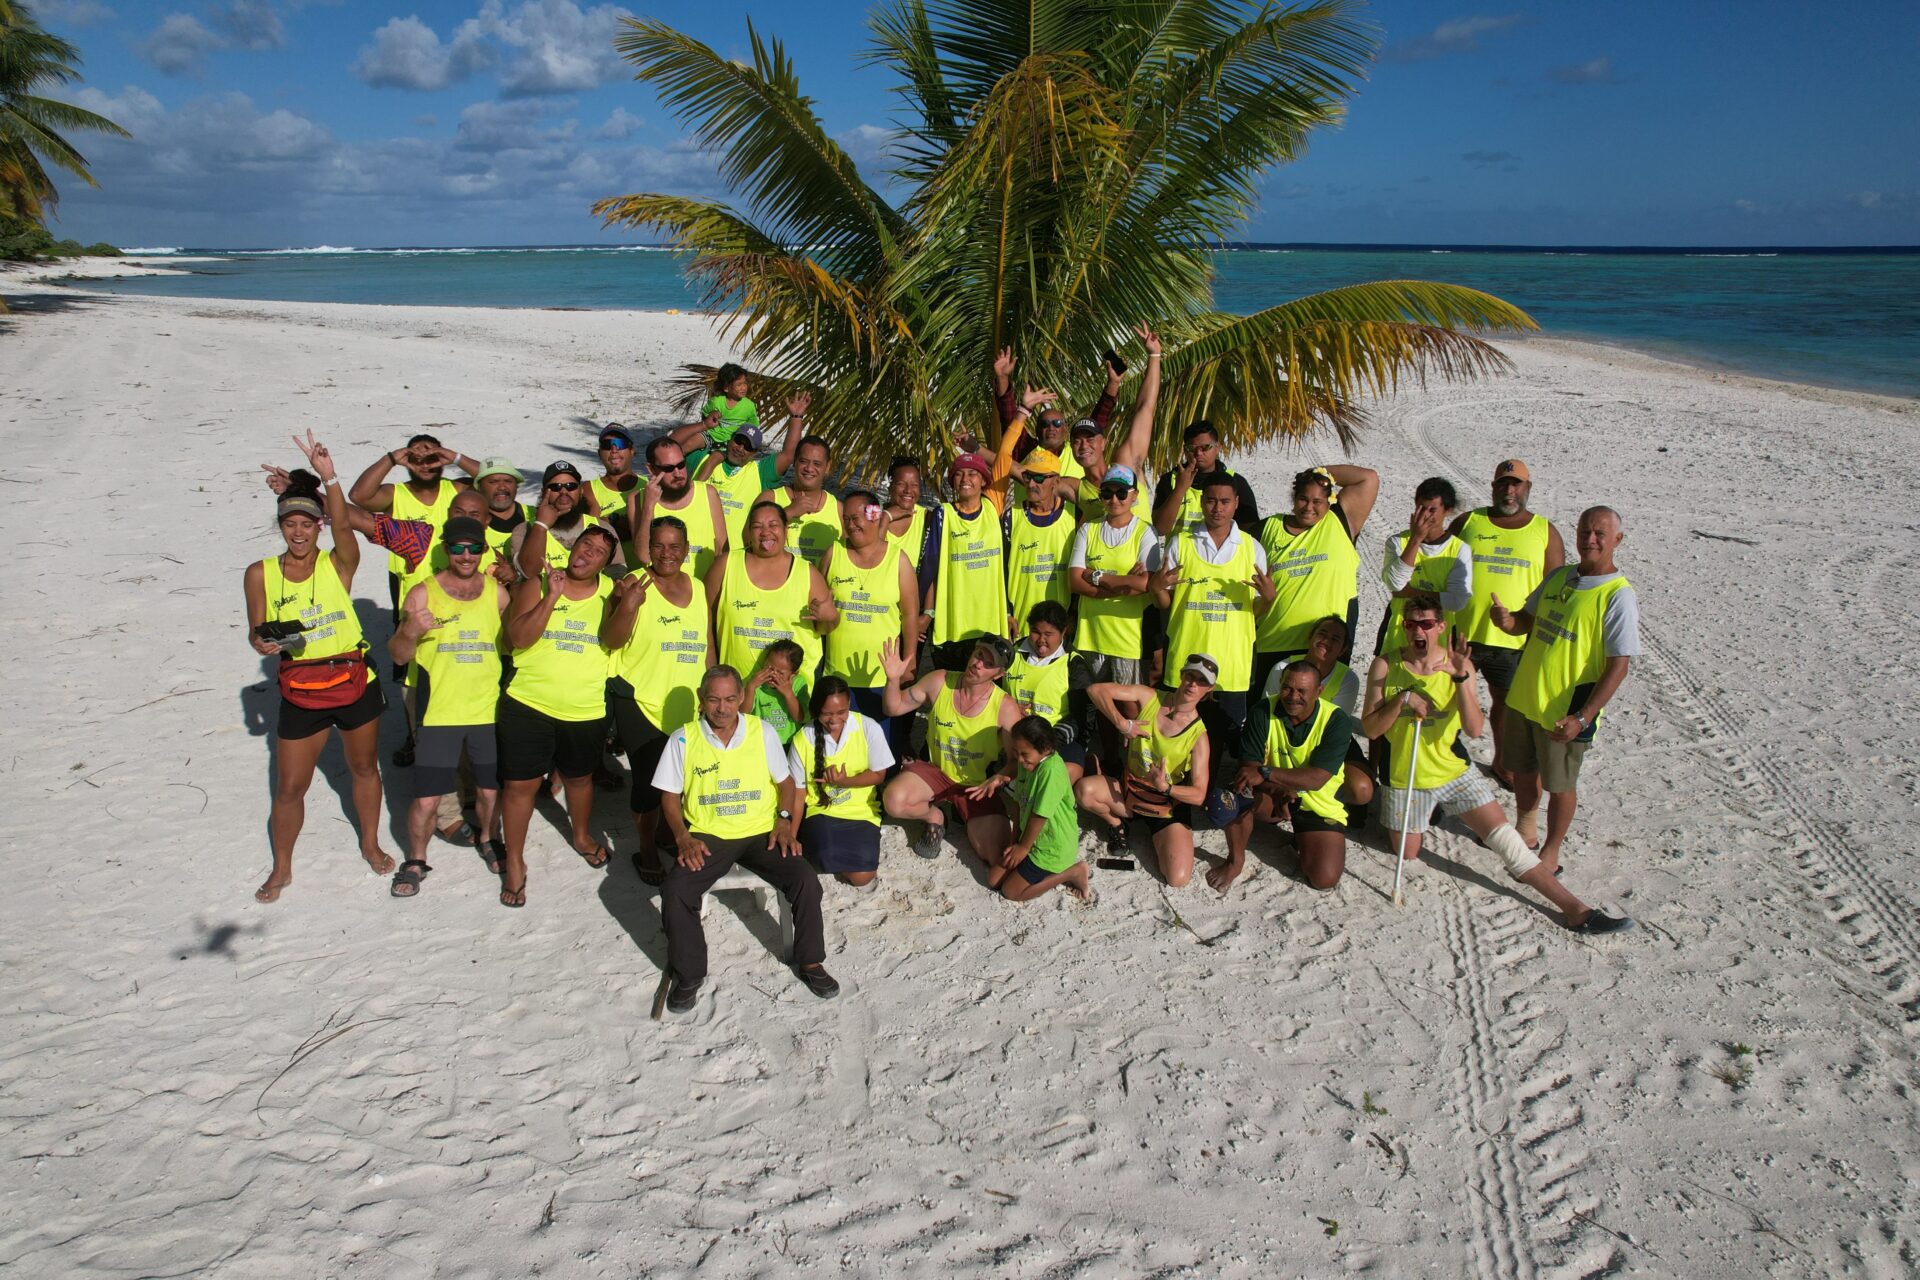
column 826, row 688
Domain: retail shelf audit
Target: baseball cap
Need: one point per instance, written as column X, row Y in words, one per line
column 562, row 468
column 1088, row 427
column 595, row 527
column 1000, row 647
column 749, row 437
column 1043, row 462
column 614, row 431
column 1202, row 665
column 1515, row 468
column 463, row 529
column 1118, row 476
column 498, row 467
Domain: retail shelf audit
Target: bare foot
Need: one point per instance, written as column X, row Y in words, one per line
column 270, row 891
column 1077, row 887
column 380, row 860
column 1221, row 878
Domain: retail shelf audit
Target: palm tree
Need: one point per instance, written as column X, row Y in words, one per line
column 31, row 125
column 1059, row 172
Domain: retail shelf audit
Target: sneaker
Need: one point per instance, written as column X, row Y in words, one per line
column 818, row 981
column 1599, row 921
column 928, row 843
column 1116, row 837
column 680, row 999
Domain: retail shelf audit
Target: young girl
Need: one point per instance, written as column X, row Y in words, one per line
column 728, row 408
column 1047, row 851
column 840, row 759
column 778, row 689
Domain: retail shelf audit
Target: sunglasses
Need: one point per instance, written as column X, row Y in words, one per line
column 1429, row 624
column 1052, row 424
column 1108, row 495
column 616, row 443
column 466, row 548
column 660, row 467
column 569, row 487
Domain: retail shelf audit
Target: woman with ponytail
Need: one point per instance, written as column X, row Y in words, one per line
column 300, row 609
column 842, row 758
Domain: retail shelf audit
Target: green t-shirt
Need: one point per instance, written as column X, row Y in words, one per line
column 769, row 706
column 732, row 418
column 1047, row 792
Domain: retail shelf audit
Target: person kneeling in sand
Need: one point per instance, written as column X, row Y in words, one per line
column 1047, row 853
column 728, row 796
column 1422, row 687
column 450, row 627
column 840, row 757
column 1167, row 761
column 1301, row 775
column 967, row 722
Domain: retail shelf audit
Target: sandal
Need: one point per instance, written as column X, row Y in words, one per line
column 597, row 858
column 514, row 897
column 406, row 881
column 494, row 853
column 649, row 869
column 462, row 833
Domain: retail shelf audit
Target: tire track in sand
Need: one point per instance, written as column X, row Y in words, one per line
column 1876, row 922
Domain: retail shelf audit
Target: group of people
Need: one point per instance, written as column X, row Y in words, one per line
column 786, row 668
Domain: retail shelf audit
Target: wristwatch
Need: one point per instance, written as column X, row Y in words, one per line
column 786, row 815
column 1094, row 576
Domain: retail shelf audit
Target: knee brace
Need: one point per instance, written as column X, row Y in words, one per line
column 1513, row 851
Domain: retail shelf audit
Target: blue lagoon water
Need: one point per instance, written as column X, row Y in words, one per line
column 1831, row 318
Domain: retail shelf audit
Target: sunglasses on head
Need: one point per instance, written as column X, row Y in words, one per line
column 557, row 487
column 466, row 548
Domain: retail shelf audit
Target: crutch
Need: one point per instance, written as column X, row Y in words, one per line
column 1406, row 818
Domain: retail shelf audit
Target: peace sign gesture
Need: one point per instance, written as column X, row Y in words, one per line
column 277, row 478
column 317, row 456
column 1459, row 665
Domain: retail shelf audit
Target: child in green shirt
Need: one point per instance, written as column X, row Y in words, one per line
column 729, row 405
column 778, row 689
column 1047, row 852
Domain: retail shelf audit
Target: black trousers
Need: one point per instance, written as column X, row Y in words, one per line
column 794, row 878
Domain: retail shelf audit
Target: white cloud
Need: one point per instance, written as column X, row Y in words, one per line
column 250, row 24
column 1592, row 71
column 407, row 54
column 181, row 43
column 1456, row 35
column 542, row 47
column 71, row 13
column 621, row 124
column 511, row 126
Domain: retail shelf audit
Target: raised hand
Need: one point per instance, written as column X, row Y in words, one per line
column 1003, row 364
column 1148, row 339
column 503, row 573
column 277, row 478
column 418, row 622
column 893, row 662
column 1033, row 397
column 546, row 513
column 317, row 456
column 1459, row 664
column 798, row 404
column 631, row 591
column 556, row 579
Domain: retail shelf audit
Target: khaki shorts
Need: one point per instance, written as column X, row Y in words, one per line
column 1528, row 748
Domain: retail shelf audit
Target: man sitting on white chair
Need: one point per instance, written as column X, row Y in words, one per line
column 727, row 796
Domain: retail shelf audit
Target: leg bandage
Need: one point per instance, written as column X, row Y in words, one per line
column 1528, row 825
column 1513, row 851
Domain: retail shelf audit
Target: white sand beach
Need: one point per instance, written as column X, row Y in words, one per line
column 1274, row 1083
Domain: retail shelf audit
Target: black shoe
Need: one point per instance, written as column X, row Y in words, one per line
column 1116, row 837
column 649, row 867
column 680, row 999
column 818, row 981
column 1599, row 921
column 403, row 756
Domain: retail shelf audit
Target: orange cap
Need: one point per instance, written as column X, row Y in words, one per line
column 1515, row 468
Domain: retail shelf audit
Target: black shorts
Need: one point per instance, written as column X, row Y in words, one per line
column 1496, row 664
column 436, row 758
column 299, row 722
column 532, row 743
column 1305, row 823
column 1182, row 816
column 644, row 742
column 1031, row 873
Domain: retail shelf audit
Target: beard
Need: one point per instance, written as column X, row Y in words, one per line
column 672, row 494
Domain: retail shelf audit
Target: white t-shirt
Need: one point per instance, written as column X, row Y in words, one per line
column 671, row 773
column 879, row 754
column 1619, row 627
column 1149, row 543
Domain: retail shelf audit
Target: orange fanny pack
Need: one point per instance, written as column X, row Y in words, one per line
column 322, row 684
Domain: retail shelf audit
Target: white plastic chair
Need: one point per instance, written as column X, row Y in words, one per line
column 771, row 901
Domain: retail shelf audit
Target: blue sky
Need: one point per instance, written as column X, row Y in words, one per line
column 267, row 123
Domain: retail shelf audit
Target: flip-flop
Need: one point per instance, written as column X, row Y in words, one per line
column 655, row 876
column 408, row 879
column 508, row 896
column 598, row 858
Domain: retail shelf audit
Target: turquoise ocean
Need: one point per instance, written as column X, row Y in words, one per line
column 1847, row 319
